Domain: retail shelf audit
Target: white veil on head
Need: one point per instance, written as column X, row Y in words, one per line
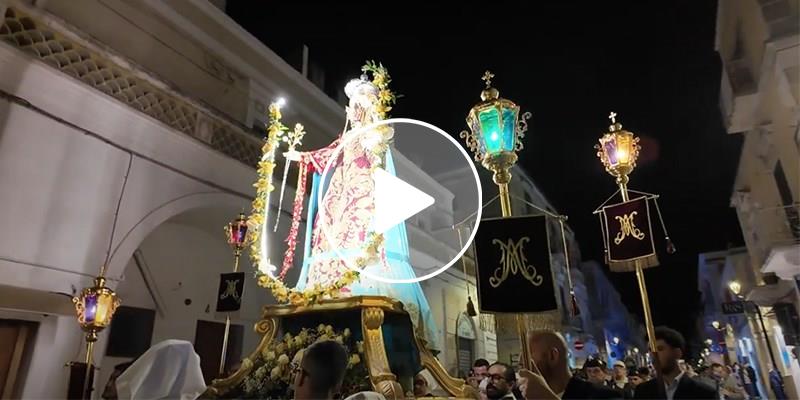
column 168, row 370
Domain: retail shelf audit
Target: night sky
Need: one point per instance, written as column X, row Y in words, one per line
column 653, row 63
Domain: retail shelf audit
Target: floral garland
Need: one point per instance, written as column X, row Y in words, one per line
column 281, row 292
column 272, row 374
column 264, row 185
column 381, row 80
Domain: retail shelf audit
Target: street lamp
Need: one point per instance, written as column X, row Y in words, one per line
column 615, row 340
column 709, row 342
column 736, row 288
column 494, row 137
column 715, row 324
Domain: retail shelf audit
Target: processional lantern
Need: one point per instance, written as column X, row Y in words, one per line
column 626, row 228
column 496, row 136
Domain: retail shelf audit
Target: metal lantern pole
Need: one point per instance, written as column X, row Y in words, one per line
column 618, row 151
column 236, row 233
column 495, row 137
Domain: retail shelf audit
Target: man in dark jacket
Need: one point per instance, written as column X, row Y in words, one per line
column 671, row 383
column 550, row 377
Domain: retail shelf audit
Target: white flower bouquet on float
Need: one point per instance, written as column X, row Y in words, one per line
column 274, row 370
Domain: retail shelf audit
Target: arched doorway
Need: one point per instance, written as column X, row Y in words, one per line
column 466, row 337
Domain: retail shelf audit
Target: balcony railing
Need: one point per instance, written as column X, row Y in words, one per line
column 111, row 74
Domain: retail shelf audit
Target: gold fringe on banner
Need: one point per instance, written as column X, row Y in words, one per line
column 630, row 265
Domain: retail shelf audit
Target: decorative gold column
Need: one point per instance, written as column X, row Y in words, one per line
column 381, row 376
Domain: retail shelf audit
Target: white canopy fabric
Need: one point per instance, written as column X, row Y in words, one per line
column 168, row 370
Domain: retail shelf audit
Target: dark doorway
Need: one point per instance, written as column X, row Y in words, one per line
column 208, row 345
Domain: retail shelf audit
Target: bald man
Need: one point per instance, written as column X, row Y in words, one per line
column 551, row 377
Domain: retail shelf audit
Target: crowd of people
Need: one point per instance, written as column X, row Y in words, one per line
column 171, row 370
column 549, row 376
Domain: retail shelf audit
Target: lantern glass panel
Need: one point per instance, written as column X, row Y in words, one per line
column 89, row 308
column 105, row 305
column 498, row 128
column 624, row 150
column 610, row 148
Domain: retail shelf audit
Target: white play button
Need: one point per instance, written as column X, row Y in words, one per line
column 396, row 200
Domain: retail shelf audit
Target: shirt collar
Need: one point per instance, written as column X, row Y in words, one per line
column 674, row 380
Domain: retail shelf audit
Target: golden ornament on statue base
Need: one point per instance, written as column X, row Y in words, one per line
column 372, row 318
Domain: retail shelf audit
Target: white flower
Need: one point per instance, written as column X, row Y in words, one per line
column 270, row 356
column 283, row 359
column 275, row 373
column 298, row 357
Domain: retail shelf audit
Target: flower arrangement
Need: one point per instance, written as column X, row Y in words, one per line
column 381, row 80
column 273, row 371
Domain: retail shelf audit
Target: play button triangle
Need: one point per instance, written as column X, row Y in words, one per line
column 396, row 200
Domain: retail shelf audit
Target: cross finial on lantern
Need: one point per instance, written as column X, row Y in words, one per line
column 613, row 117
column 487, row 77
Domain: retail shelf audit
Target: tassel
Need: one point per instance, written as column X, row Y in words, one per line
column 471, row 307
column 576, row 311
column 670, row 246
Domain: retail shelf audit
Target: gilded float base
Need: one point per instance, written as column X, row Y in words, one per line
column 373, row 311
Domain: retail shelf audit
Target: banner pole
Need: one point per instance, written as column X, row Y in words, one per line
column 648, row 317
column 236, row 256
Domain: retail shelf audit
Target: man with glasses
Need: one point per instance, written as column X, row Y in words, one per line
column 320, row 373
column 501, row 380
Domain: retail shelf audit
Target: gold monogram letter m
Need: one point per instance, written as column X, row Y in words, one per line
column 627, row 228
column 513, row 260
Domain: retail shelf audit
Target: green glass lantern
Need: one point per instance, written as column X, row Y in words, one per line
column 496, row 131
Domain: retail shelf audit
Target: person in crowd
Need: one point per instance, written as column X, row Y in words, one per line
column 704, row 376
column 619, row 380
column 366, row 396
column 421, row 388
column 749, row 378
column 321, row 371
column 634, row 379
column 501, row 380
column 479, row 372
column 776, row 383
column 671, row 382
column 644, row 373
column 595, row 371
column 110, row 391
column 689, row 370
column 726, row 383
column 168, row 370
column 550, row 376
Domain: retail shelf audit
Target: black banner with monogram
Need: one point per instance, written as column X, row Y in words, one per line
column 513, row 266
column 231, row 289
column 628, row 236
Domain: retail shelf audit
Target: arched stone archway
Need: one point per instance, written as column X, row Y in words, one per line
column 149, row 221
